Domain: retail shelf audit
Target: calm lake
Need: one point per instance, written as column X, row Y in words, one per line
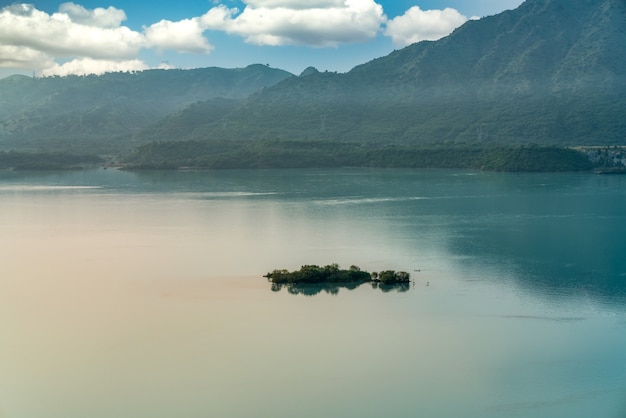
column 141, row 294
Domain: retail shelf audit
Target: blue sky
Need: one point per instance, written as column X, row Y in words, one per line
column 95, row 36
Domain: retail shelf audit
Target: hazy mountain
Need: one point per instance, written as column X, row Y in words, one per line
column 97, row 112
column 551, row 72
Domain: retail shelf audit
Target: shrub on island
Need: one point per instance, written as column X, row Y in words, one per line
column 312, row 274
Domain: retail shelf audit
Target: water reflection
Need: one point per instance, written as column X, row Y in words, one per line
column 148, row 285
column 554, row 234
column 334, row 288
column 559, row 239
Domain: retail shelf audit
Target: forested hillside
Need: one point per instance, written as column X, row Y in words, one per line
column 549, row 72
column 102, row 113
column 316, row 154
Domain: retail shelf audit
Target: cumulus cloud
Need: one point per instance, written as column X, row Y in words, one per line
column 34, row 39
column 93, row 40
column 84, row 66
column 22, row 57
column 99, row 17
column 317, row 23
column 423, row 25
column 58, row 35
column 295, row 4
column 77, row 40
column 183, row 36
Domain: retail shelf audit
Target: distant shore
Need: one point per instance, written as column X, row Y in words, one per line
column 195, row 155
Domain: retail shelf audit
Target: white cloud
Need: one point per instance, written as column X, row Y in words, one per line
column 22, row 57
column 218, row 18
column 93, row 40
column 99, row 17
column 57, row 35
column 295, row 4
column 80, row 40
column 184, row 36
column 84, row 66
column 420, row 25
column 317, row 23
column 164, row 65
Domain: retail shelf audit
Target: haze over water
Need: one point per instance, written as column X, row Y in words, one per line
column 140, row 294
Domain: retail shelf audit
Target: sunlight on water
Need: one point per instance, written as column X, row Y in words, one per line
column 139, row 295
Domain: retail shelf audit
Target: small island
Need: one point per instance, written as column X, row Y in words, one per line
column 331, row 273
column 331, row 278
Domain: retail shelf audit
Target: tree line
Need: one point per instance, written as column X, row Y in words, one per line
column 46, row 160
column 324, row 154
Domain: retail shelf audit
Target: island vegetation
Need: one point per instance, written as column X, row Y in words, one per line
column 331, row 273
column 310, row 280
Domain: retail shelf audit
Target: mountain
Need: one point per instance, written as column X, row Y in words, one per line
column 100, row 113
column 551, row 72
column 548, row 72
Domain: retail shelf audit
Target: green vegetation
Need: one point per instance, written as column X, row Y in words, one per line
column 392, row 277
column 106, row 113
column 46, row 161
column 311, row 280
column 321, row 154
column 540, row 74
column 606, row 158
column 312, row 274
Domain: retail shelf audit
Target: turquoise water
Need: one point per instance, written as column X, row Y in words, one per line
column 140, row 294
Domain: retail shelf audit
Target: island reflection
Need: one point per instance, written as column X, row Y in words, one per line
column 334, row 288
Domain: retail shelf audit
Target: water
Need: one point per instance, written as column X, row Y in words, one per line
column 140, row 294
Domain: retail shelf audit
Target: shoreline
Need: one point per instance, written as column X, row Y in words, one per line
column 196, row 156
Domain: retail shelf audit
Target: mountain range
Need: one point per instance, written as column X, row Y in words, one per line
column 103, row 113
column 551, row 72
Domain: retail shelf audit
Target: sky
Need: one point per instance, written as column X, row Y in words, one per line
column 46, row 38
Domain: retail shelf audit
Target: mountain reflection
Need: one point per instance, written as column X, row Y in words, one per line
column 334, row 288
column 563, row 240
